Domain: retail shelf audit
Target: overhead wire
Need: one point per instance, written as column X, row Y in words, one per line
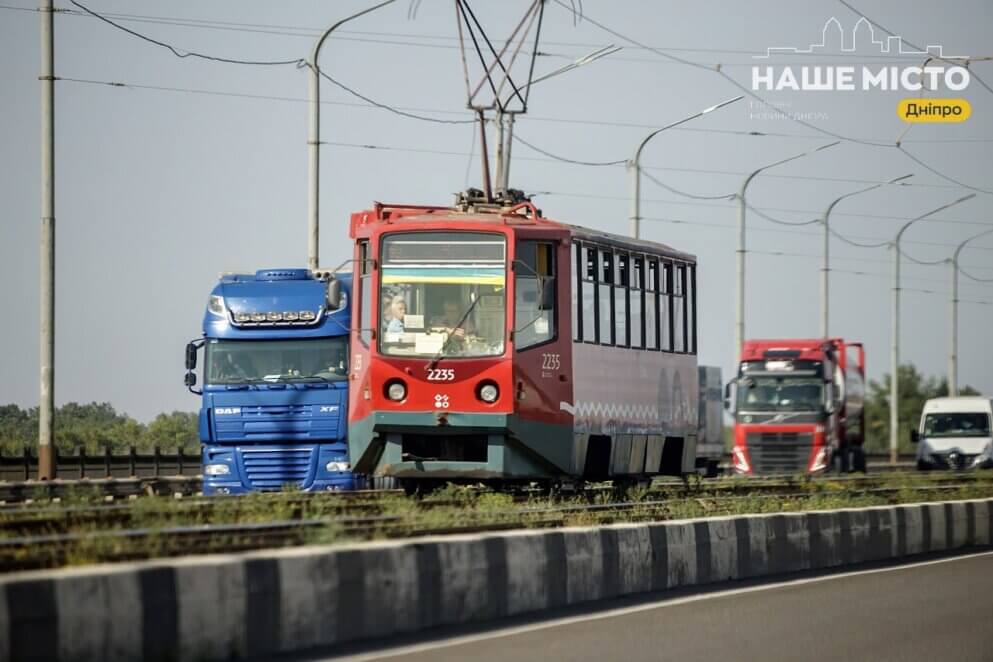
column 185, row 53
column 747, row 91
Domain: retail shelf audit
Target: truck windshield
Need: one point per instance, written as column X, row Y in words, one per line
column 253, row 361
column 975, row 424
column 443, row 294
column 786, row 393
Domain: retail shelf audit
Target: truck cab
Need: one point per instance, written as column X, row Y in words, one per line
column 797, row 406
column 275, row 382
column 954, row 433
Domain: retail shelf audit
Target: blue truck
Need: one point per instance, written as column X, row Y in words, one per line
column 274, row 400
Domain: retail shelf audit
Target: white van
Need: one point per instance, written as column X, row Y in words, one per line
column 955, row 434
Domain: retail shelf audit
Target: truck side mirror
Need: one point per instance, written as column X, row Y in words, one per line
column 334, row 294
column 547, row 294
column 727, row 396
column 190, row 380
column 191, row 356
column 829, row 404
column 914, row 436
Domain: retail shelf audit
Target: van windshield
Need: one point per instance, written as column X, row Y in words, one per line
column 975, row 424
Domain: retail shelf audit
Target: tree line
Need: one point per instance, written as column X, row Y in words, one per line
column 95, row 426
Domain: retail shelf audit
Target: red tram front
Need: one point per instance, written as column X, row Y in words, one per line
column 490, row 343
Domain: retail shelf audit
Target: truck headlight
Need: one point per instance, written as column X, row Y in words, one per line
column 740, row 461
column 338, row 466
column 217, row 470
column 215, row 304
column 820, row 460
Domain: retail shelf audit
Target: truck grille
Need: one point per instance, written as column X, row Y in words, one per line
column 779, row 452
column 271, row 470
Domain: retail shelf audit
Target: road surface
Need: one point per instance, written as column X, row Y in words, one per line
column 940, row 609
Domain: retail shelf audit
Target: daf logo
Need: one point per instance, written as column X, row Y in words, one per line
column 227, row 410
column 329, row 409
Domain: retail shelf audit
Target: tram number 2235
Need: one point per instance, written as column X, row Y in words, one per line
column 441, row 375
column 551, row 361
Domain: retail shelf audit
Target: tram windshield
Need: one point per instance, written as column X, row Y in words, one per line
column 443, row 294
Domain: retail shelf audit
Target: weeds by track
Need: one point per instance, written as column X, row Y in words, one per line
column 53, row 535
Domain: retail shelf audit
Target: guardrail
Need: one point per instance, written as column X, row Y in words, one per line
column 132, row 464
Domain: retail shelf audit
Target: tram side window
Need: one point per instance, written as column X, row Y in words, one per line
column 606, row 295
column 365, row 289
column 652, row 305
column 679, row 309
column 575, row 286
column 589, row 266
column 621, row 299
column 636, row 301
column 534, row 279
column 665, row 308
column 690, row 298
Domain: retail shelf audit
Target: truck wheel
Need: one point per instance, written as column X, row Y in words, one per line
column 923, row 466
column 858, row 459
column 384, row 482
column 713, row 469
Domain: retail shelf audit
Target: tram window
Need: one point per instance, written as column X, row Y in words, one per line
column 589, row 294
column 679, row 311
column 651, row 305
column 636, row 302
column 365, row 291
column 621, row 300
column 575, row 286
column 691, row 308
column 534, row 274
column 605, row 301
column 666, row 278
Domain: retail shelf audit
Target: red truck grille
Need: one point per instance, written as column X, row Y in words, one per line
column 779, row 452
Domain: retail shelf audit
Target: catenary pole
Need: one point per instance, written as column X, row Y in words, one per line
column 739, row 324
column 953, row 335
column 635, row 164
column 825, row 256
column 46, row 402
column 314, row 139
column 895, row 330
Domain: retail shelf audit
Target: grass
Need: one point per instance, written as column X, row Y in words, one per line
column 449, row 509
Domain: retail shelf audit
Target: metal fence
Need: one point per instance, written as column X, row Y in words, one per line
column 132, row 464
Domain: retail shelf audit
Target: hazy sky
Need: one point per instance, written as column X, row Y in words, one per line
column 159, row 190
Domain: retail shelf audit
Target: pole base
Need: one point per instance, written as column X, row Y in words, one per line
column 46, row 463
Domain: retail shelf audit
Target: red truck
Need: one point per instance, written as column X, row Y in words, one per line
column 798, row 406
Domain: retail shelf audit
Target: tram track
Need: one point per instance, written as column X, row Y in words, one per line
column 39, row 548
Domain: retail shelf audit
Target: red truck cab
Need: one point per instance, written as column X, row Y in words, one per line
column 797, row 406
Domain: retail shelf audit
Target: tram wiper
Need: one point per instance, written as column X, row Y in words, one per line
column 438, row 356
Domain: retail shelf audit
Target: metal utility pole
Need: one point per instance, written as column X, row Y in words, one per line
column 635, row 164
column 895, row 330
column 46, row 400
column 314, row 140
column 825, row 263
column 739, row 325
column 953, row 335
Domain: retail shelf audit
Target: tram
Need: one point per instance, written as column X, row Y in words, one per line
column 491, row 344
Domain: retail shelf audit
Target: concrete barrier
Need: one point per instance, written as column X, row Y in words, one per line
column 261, row 603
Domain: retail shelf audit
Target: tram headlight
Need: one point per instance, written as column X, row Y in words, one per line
column 396, row 391
column 489, row 392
